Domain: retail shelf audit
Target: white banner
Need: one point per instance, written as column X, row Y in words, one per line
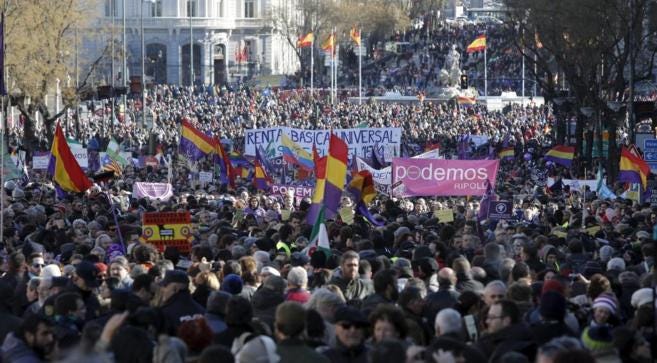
column 80, row 154
column 577, row 184
column 361, row 141
column 40, row 160
column 383, row 177
column 205, row 177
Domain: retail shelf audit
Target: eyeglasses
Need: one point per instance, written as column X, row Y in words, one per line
column 38, row 265
column 347, row 326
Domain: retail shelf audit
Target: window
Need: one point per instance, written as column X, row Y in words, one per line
column 156, row 8
column 220, row 8
column 191, row 8
column 249, row 8
column 110, row 8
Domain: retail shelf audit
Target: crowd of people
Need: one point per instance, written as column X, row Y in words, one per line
column 568, row 279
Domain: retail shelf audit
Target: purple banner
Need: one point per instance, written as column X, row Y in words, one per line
column 152, row 191
column 431, row 177
column 300, row 191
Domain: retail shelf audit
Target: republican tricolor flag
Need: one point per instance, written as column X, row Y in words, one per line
column 633, row 168
column 561, row 154
column 63, row 168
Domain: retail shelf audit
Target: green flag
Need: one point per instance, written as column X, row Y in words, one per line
column 9, row 168
column 114, row 152
column 319, row 240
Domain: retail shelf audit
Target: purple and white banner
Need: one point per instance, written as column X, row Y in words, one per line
column 431, row 177
column 299, row 191
column 152, row 191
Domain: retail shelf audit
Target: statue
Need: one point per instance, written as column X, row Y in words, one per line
column 453, row 67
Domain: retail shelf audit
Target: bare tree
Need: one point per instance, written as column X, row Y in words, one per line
column 41, row 40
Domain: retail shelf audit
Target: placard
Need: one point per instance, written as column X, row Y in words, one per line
column 205, row 177
column 500, row 210
column 40, row 160
column 168, row 229
column 347, row 215
column 444, row 215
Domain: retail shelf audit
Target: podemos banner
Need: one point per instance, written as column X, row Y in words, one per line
column 430, row 177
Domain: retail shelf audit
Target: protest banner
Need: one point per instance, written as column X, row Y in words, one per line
column 205, row 177
column 383, row 177
column 300, row 191
column 168, row 229
column 360, row 140
column 40, row 160
column 80, row 154
column 152, row 191
column 428, row 177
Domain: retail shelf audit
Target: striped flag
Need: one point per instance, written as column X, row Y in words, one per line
column 561, row 154
column 477, row 45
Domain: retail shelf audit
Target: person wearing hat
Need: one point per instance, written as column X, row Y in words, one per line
column 552, row 311
column 349, row 281
column 604, row 307
column 85, row 280
column 177, row 301
column 350, row 324
column 600, row 342
column 288, row 330
column 120, row 269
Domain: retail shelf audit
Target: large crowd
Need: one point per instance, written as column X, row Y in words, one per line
column 568, row 279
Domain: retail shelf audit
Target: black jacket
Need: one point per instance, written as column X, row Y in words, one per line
column 179, row 305
column 264, row 304
column 342, row 354
column 516, row 338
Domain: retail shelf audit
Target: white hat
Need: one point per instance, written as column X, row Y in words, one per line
column 270, row 270
column 641, row 297
column 51, row 271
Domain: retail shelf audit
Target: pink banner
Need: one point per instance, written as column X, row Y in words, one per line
column 432, row 177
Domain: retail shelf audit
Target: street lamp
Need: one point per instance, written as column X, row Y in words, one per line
column 143, row 71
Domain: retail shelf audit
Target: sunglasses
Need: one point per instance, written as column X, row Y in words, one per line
column 348, row 326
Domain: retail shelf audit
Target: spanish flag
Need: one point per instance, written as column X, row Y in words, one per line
column 329, row 44
column 195, row 144
column 562, row 155
column 477, row 45
column 466, row 101
column 633, row 169
column 63, row 168
column 355, row 35
column 507, row 152
column 306, row 40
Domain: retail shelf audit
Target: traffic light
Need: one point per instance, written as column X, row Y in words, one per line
column 464, row 81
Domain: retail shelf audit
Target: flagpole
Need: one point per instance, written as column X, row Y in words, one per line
column 360, row 67
column 486, row 72
column 312, row 66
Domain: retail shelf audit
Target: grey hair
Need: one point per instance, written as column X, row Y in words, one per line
column 325, row 302
column 448, row 321
column 297, row 276
column 494, row 284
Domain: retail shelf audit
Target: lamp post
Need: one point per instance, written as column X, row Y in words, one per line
column 191, row 45
column 143, row 70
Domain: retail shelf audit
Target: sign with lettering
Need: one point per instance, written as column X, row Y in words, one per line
column 360, row 140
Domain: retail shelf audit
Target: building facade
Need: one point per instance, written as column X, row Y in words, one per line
column 231, row 40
